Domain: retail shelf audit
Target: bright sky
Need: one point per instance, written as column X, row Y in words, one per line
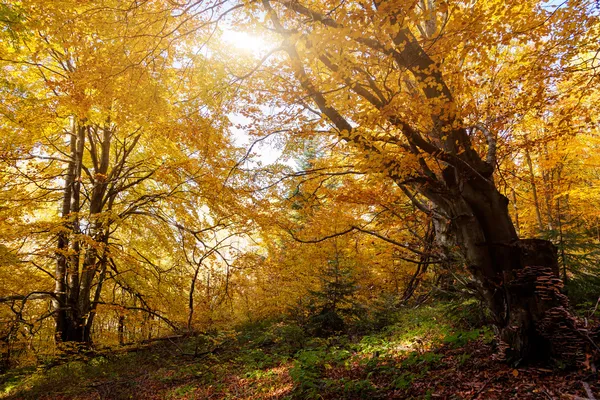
column 257, row 47
column 267, row 153
column 247, row 42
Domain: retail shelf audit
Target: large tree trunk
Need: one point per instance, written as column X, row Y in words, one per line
column 519, row 278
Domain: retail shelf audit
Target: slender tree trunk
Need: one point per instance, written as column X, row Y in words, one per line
column 6, row 338
column 191, row 297
column 74, row 330
column 60, row 275
column 121, row 330
column 561, row 242
column 4, row 354
column 92, row 313
column 548, row 178
column 536, row 202
column 97, row 202
column 422, row 266
column 93, row 260
column 516, row 211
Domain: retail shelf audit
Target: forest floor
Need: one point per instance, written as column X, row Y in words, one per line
column 420, row 356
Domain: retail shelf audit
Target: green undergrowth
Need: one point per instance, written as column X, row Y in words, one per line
column 269, row 359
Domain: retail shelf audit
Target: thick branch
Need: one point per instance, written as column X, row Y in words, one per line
column 491, row 140
column 30, row 296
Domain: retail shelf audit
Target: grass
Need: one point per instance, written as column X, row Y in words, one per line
column 407, row 359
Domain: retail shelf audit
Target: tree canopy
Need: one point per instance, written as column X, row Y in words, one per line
column 174, row 167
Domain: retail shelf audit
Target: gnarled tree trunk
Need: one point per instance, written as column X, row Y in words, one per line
column 519, row 278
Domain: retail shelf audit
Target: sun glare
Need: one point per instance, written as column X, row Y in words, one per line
column 246, row 42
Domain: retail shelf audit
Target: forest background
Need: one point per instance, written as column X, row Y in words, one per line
column 136, row 201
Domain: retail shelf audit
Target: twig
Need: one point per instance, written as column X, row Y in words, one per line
column 547, row 394
column 477, row 393
column 588, row 390
column 595, row 308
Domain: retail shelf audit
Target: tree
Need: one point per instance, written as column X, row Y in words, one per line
column 121, row 187
column 424, row 91
column 554, row 196
column 94, row 126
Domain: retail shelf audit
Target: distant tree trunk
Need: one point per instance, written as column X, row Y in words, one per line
column 516, row 210
column 6, row 337
column 422, row 265
column 94, row 304
column 561, row 242
column 536, row 203
column 121, row 330
column 4, row 356
column 191, row 298
column 548, row 179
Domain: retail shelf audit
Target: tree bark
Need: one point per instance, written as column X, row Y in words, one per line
column 74, row 328
column 59, row 301
column 75, row 272
column 536, row 203
column 519, row 278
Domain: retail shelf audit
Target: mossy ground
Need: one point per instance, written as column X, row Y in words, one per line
column 427, row 352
